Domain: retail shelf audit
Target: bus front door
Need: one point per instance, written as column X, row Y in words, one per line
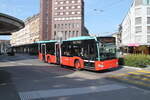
column 58, row 53
column 43, row 51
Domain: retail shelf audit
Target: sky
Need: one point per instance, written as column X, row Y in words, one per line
column 101, row 16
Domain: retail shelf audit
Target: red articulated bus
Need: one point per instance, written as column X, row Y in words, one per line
column 86, row 52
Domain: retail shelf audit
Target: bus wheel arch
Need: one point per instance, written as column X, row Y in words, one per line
column 48, row 59
column 77, row 64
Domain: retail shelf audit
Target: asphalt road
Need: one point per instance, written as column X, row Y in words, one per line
column 24, row 77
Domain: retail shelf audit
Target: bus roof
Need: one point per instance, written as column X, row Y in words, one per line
column 81, row 38
column 46, row 41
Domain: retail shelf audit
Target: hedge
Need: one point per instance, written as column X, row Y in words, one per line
column 137, row 60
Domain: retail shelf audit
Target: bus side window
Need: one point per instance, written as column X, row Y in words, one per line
column 66, row 49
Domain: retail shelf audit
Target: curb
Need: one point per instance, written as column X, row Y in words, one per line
column 133, row 67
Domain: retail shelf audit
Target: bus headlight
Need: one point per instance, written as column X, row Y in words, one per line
column 117, row 63
column 101, row 66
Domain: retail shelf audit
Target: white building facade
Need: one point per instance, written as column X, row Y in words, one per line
column 135, row 32
column 136, row 25
column 29, row 34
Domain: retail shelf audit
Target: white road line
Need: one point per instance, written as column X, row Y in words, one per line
column 13, row 62
column 24, row 64
column 135, row 68
column 68, row 92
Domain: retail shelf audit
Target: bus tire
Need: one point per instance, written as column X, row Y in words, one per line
column 77, row 65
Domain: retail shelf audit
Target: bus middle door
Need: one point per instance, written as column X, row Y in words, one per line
column 58, row 53
column 43, row 51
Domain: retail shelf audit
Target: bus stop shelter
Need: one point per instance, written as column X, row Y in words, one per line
column 9, row 24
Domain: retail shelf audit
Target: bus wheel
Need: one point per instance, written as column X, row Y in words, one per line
column 77, row 65
column 48, row 60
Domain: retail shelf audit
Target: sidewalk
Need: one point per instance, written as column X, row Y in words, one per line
column 136, row 68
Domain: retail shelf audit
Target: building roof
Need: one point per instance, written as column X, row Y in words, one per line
column 9, row 24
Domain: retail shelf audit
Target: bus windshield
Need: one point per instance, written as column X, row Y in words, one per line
column 107, row 48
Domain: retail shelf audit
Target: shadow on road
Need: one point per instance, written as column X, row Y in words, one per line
column 17, row 57
column 7, row 89
column 107, row 70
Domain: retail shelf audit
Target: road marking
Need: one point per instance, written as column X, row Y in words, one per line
column 143, row 71
column 131, row 81
column 24, row 64
column 139, row 74
column 120, row 74
column 131, row 75
column 134, row 73
column 132, row 67
column 13, row 62
column 137, row 77
column 68, row 92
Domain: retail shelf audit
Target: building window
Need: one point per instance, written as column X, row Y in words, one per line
column 55, row 19
column 138, row 38
column 79, row 1
column 147, row 2
column 148, row 11
column 67, row 2
column 65, row 26
column 56, row 3
column 54, row 34
column 148, row 38
column 148, row 20
column 73, row 1
column 73, row 34
column 67, row 7
column 55, row 26
column 67, row 18
column 138, row 29
column 58, row 26
column 78, row 6
column 69, row 25
column 56, row 8
column 77, row 25
column 61, row 8
column 73, row 7
column 73, row 13
column 65, row 35
column 138, row 2
column 148, row 29
column 138, row 11
column 69, row 33
column 63, row 18
column 62, row 32
column 77, row 33
column 72, row 25
column 62, row 26
column 61, row 2
column 61, row 13
column 56, row 13
column 67, row 13
column 138, row 20
column 78, row 12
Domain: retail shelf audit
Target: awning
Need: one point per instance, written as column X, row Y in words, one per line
column 133, row 45
column 9, row 24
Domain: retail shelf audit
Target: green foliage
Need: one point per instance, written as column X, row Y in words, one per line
column 137, row 60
